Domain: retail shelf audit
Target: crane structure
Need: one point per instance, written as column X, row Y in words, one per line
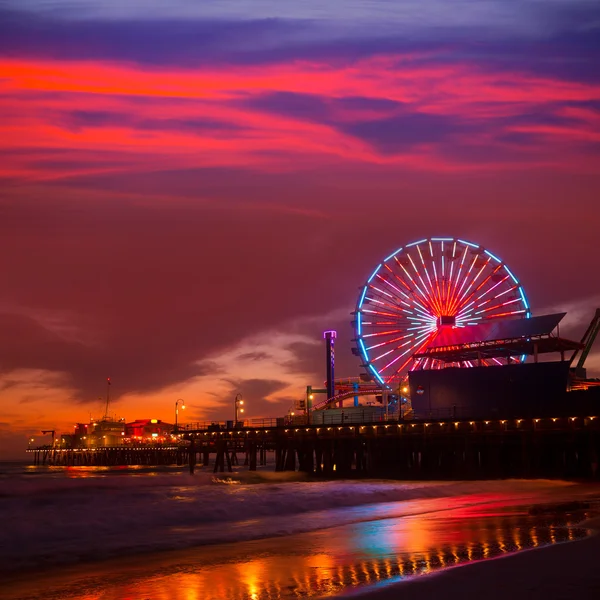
column 578, row 372
column 52, row 432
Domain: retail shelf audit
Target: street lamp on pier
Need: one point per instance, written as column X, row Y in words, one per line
column 179, row 400
column 238, row 406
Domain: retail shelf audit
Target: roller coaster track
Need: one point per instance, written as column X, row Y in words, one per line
column 370, row 391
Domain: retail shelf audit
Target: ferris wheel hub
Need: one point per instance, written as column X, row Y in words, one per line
column 446, row 321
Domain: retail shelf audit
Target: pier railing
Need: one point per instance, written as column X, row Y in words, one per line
column 321, row 417
column 226, row 425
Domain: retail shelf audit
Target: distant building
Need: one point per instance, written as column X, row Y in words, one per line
column 96, row 434
column 106, row 433
column 148, row 430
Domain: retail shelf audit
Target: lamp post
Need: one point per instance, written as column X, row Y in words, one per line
column 238, row 403
column 177, row 410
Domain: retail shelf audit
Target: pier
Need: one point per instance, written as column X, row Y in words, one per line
column 561, row 447
column 566, row 447
column 108, row 456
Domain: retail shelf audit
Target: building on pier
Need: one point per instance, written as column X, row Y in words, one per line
column 507, row 386
column 111, row 433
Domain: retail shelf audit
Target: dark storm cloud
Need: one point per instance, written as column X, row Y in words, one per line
column 255, row 392
column 400, row 132
column 93, row 118
column 545, row 115
column 569, row 56
column 517, row 135
column 400, row 128
column 453, row 132
column 77, row 119
column 158, row 290
column 311, row 358
column 255, row 356
column 308, row 358
column 257, row 389
column 28, row 344
column 358, row 103
column 161, row 43
column 316, row 108
column 389, row 135
column 562, row 40
column 310, row 107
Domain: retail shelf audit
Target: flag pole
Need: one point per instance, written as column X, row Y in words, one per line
column 107, row 398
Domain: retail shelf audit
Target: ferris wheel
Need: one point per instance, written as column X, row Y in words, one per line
column 423, row 288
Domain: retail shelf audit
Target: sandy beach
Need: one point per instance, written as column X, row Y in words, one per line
column 560, row 572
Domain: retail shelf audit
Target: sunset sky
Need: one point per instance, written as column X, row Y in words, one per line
column 191, row 192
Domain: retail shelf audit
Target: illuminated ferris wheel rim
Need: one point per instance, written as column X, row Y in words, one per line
column 418, row 301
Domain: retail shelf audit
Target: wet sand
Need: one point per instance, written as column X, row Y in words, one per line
column 357, row 557
column 561, row 572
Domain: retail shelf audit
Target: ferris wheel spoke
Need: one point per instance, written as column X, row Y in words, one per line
column 381, row 313
column 392, row 341
column 380, row 333
column 410, row 296
column 456, row 298
column 423, row 345
column 430, row 287
column 477, row 275
column 450, row 290
column 489, row 290
column 392, row 350
column 395, row 298
column 452, row 285
column 424, row 313
column 484, row 282
column 427, row 295
column 397, row 359
column 375, row 359
column 375, row 291
column 383, row 310
column 410, row 278
column 510, row 289
column 384, row 304
column 436, row 279
column 498, row 306
column 386, row 281
column 506, row 314
column 451, row 261
column 372, row 287
column 414, row 284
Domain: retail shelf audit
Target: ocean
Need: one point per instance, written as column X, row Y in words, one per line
column 94, row 532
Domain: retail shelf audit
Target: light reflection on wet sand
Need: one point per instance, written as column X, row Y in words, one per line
column 315, row 564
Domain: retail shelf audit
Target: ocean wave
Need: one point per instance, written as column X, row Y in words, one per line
column 61, row 520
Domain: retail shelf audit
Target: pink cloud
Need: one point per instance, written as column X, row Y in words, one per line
column 39, row 97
